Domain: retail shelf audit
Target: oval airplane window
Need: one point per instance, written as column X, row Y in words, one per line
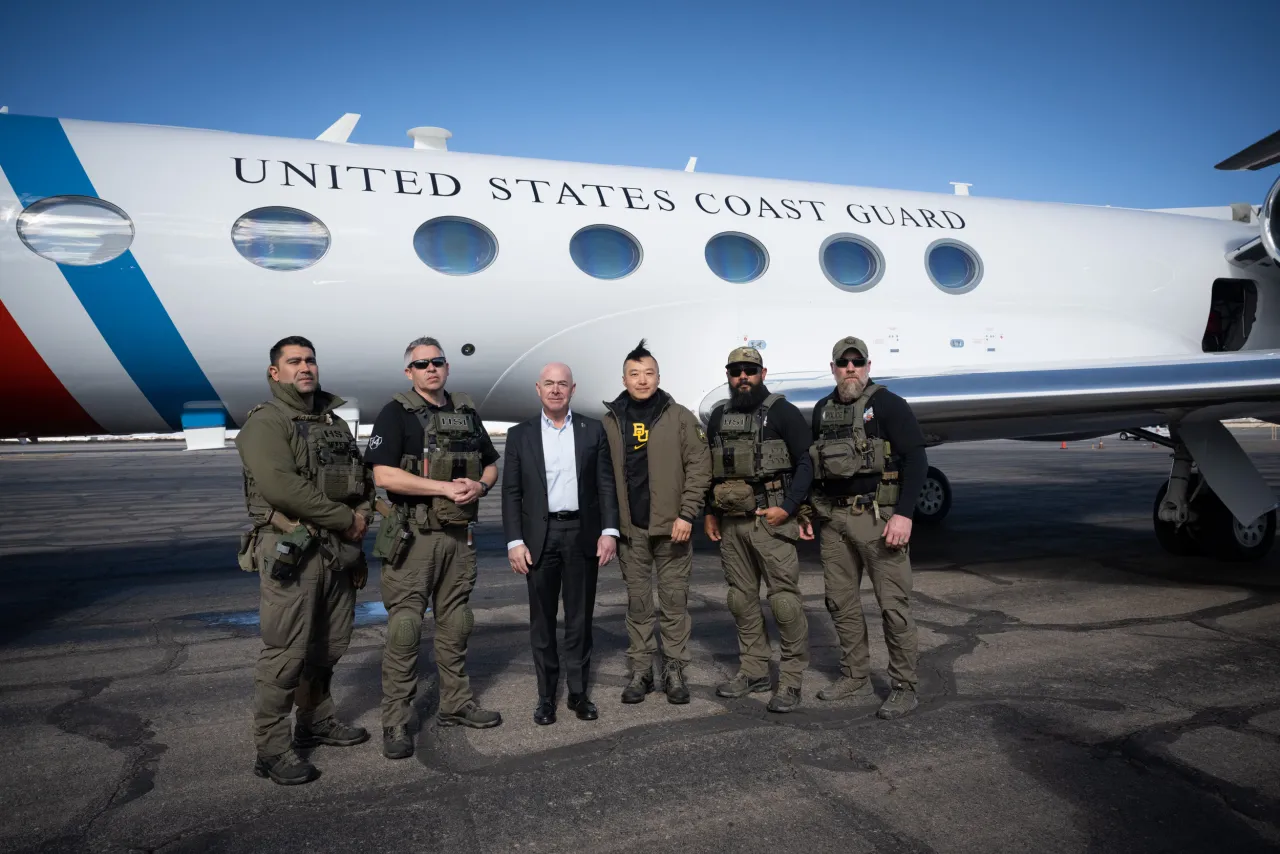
column 604, row 252
column 953, row 266
column 455, row 246
column 736, row 257
column 851, row 263
column 280, row 238
column 76, row 230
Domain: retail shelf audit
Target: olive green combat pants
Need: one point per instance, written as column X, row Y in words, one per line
column 439, row 569
column 752, row 549
column 306, row 627
column 853, row 543
column 642, row 557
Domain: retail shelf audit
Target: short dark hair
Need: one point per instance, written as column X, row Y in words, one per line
column 640, row 352
column 291, row 341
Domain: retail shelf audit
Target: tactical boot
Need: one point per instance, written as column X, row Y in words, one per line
column 470, row 715
column 641, row 683
column 396, row 742
column 740, row 686
column 332, row 732
column 287, row 769
column 784, row 700
column 673, row 682
column 846, row 686
column 902, row 699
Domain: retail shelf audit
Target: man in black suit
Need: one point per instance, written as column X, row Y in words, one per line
column 560, row 515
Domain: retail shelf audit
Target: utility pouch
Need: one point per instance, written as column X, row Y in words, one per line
column 734, row 496
column 875, row 456
column 887, row 493
column 448, row 513
column 835, row 459
column 291, row 549
column 244, row 557
column 393, row 539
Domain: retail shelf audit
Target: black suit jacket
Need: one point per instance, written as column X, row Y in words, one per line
column 524, row 484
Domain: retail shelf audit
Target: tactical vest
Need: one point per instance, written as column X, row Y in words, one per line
column 844, row 450
column 740, row 454
column 451, row 445
column 333, row 461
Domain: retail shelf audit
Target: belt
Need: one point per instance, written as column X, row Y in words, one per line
column 854, row 500
column 563, row 515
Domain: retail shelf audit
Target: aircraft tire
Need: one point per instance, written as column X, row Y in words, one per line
column 935, row 498
column 1173, row 538
column 1221, row 536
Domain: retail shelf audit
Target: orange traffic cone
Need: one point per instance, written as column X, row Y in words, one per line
column 1064, row 446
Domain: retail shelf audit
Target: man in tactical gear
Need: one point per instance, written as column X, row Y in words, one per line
column 309, row 498
column 761, row 474
column 869, row 465
column 431, row 452
column 662, row 471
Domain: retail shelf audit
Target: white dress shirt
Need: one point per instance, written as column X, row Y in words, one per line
column 560, row 455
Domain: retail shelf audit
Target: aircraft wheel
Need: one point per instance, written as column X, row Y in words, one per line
column 1222, row 536
column 1173, row 538
column 935, row 498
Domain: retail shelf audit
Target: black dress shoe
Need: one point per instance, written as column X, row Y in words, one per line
column 545, row 713
column 582, row 706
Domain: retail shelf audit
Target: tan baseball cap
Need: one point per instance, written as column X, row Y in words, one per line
column 749, row 355
column 849, row 343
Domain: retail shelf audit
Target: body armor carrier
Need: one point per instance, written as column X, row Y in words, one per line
column 750, row 472
column 333, row 462
column 451, row 449
column 844, row 450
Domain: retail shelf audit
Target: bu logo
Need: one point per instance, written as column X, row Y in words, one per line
column 640, row 433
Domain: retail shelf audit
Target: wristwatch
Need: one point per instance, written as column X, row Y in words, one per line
column 486, row 488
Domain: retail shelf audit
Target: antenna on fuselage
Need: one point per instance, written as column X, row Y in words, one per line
column 693, row 161
column 340, row 130
column 962, row 189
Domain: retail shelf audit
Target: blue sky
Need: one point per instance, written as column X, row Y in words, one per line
column 1121, row 102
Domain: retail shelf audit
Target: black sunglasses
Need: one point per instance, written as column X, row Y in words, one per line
column 739, row 370
column 844, row 363
column 421, row 364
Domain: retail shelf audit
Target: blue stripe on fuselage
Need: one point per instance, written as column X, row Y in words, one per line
column 39, row 162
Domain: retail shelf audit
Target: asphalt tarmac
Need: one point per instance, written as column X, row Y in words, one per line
column 1081, row 689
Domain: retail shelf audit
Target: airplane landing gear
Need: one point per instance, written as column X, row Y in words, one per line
column 935, row 498
column 1208, row 527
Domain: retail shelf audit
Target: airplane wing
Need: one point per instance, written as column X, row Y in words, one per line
column 1049, row 401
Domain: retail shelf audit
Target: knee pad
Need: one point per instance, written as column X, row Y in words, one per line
column 673, row 600
column 787, row 608
column 458, row 623
column 638, row 606
column 404, row 633
column 737, row 602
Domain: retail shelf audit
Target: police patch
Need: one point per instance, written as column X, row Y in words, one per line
column 869, row 414
column 374, row 442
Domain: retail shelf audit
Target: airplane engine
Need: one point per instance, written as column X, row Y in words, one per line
column 1271, row 222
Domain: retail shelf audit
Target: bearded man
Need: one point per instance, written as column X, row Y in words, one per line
column 869, row 465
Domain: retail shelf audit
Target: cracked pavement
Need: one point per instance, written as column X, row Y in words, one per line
column 1081, row 690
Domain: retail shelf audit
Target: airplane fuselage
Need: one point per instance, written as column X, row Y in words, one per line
column 182, row 317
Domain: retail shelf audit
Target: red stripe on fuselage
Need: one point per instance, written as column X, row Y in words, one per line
column 35, row 401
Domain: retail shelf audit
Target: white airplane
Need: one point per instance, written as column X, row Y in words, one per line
column 145, row 271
